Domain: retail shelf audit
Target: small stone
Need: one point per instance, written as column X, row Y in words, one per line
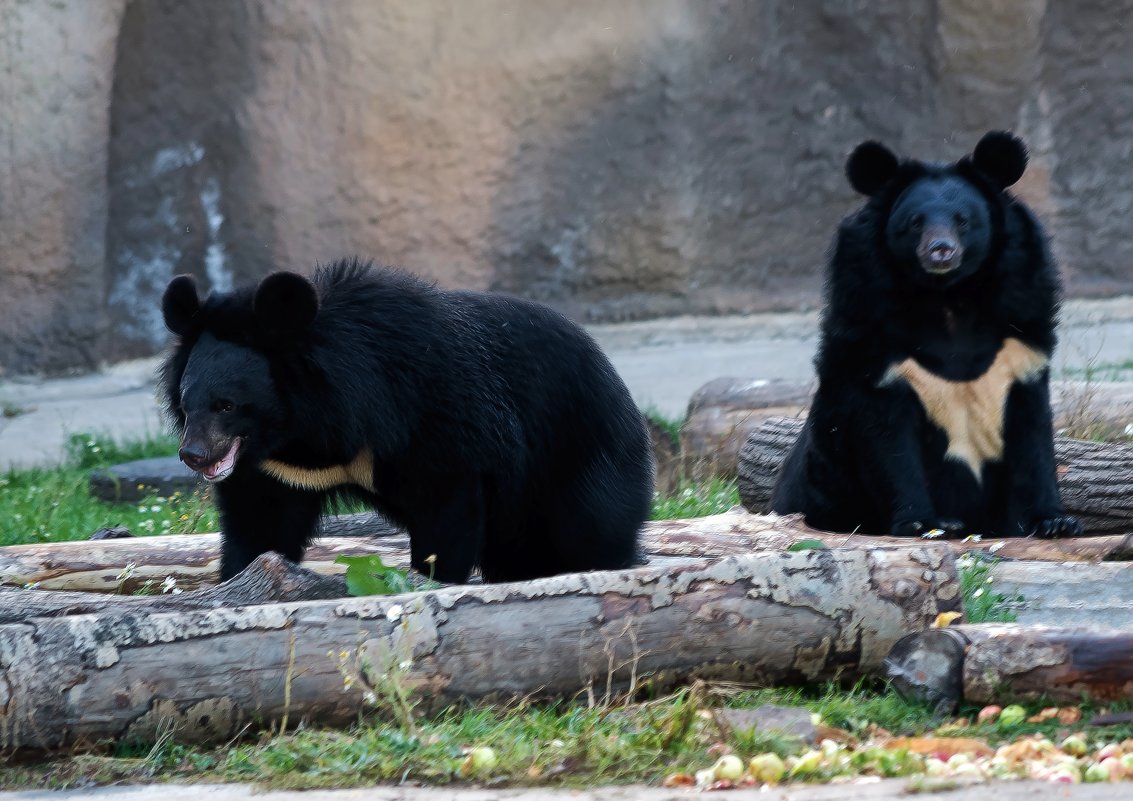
column 786, row 721
column 134, row 481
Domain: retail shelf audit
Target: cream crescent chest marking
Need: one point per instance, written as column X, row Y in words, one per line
column 971, row 413
column 359, row 471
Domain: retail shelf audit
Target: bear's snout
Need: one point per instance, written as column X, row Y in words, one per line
column 195, row 457
column 939, row 251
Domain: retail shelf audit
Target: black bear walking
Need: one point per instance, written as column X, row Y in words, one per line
column 932, row 409
column 492, row 428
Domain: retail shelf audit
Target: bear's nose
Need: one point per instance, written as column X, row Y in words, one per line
column 941, row 250
column 194, row 457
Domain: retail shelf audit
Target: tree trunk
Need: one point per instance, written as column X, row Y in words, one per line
column 205, row 674
column 134, row 564
column 1095, row 479
column 724, row 413
column 1005, row 663
column 193, row 559
column 269, row 579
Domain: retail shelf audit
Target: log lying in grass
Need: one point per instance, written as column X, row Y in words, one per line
column 205, row 674
column 1095, row 479
column 724, row 413
column 126, row 566
column 270, row 579
column 1004, row 663
column 193, row 559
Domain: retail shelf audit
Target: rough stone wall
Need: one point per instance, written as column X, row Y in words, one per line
column 56, row 73
column 618, row 160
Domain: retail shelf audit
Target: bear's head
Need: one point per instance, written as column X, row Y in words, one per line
column 940, row 223
column 219, row 383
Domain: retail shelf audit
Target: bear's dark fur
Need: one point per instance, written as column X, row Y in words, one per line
column 492, row 428
column 932, row 409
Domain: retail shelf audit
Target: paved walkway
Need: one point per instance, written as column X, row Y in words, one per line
column 662, row 361
column 876, row 791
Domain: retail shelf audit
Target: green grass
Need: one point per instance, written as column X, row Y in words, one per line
column 565, row 744
column 982, row 604
column 53, row 504
column 47, row 505
column 709, row 497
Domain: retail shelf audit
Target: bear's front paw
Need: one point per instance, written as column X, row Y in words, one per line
column 1055, row 527
column 932, row 528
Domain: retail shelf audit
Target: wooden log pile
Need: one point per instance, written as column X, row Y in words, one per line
column 193, row 560
column 139, row 668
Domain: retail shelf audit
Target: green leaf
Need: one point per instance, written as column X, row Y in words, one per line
column 808, row 545
column 369, row 575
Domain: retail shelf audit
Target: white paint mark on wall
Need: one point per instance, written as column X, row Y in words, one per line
column 174, row 158
column 146, row 267
column 216, row 267
column 147, row 270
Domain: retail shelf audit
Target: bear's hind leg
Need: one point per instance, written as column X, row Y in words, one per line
column 590, row 525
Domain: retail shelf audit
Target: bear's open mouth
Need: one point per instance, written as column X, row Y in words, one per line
column 222, row 467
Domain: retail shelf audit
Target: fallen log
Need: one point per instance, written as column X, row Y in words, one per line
column 269, row 579
column 1065, row 593
column 1095, row 479
column 142, row 564
column 205, row 674
column 724, row 413
column 193, row 559
column 1005, row 663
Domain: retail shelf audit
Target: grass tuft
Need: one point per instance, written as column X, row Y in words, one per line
column 54, row 504
column 697, row 499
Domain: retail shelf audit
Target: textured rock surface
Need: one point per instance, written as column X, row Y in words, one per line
column 619, row 160
column 133, row 481
column 56, row 73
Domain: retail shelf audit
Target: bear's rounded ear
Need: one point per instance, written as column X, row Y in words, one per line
column 1000, row 156
column 870, row 167
column 285, row 303
column 180, row 305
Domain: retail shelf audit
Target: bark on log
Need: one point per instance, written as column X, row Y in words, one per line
column 269, row 579
column 126, row 566
column 724, row 413
column 1066, row 593
column 1095, row 479
column 204, row 674
column 1004, row 663
column 193, row 559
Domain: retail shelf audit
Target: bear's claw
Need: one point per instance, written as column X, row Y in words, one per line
column 1057, row 527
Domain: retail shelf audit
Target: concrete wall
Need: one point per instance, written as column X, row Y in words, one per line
column 619, row 160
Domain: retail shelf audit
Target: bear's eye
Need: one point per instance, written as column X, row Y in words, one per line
column 223, row 406
column 917, row 222
column 961, row 221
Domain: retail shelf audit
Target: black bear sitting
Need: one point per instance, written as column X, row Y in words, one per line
column 932, row 409
column 493, row 429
